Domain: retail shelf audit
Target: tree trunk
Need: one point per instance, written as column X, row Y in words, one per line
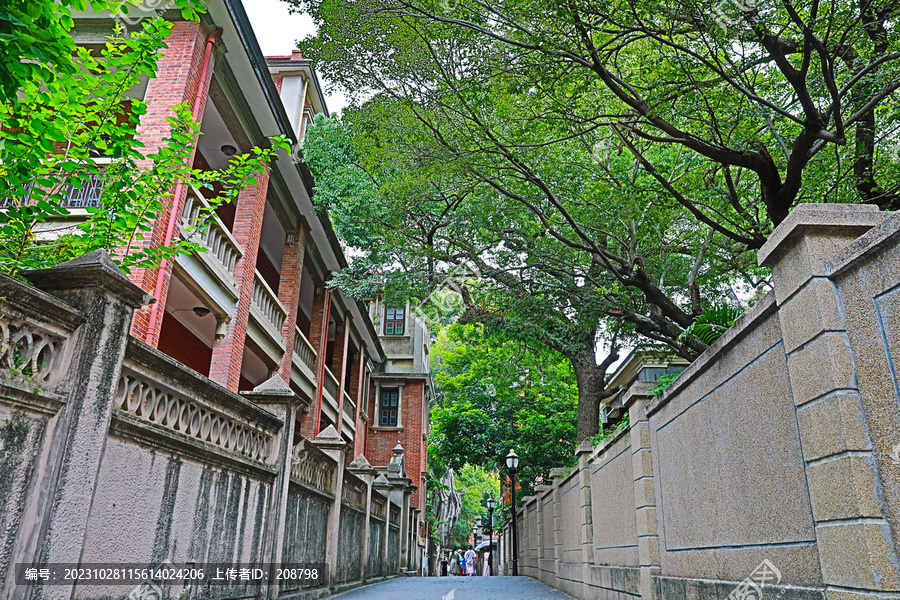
column 591, row 390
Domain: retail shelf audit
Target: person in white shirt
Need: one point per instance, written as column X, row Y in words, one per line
column 470, row 561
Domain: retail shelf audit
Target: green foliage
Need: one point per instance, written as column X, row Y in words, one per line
column 662, row 383
column 609, row 432
column 477, row 484
column 64, row 124
column 36, row 41
column 496, row 393
column 712, row 323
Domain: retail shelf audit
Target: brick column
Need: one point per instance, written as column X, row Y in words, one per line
column 289, row 295
column 358, row 373
column 318, row 337
column 176, row 81
column 856, row 549
column 636, row 399
column 227, row 354
column 341, row 345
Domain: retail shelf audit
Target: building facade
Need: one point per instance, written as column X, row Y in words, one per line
column 253, row 316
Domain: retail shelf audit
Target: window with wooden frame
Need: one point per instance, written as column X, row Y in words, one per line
column 390, row 407
column 394, row 321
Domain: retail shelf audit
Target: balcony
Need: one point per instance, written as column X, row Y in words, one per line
column 267, row 302
column 219, row 242
column 304, row 363
column 331, row 385
column 349, row 406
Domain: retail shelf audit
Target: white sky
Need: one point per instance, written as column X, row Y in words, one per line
column 278, row 30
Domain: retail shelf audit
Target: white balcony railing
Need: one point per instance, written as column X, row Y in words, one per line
column 349, row 406
column 267, row 302
column 331, row 384
column 216, row 238
column 304, row 350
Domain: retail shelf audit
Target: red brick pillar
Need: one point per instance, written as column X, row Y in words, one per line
column 177, row 79
column 289, row 296
column 225, row 367
column 341, row 346
column 358, row 375
column 318, row 337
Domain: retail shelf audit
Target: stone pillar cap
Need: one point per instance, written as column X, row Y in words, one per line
column 328, row 438
column 275, row 389
column 92, row 270
column 847, row 217
column 361, row 465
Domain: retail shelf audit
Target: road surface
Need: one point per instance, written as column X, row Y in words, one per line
column 456, row 588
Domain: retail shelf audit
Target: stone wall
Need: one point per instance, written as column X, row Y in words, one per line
column 111, row 452
column 772, row 465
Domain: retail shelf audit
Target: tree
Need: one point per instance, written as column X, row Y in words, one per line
column 476, row 484
column 422, row 218
column 733, row 121
column 495, row 393
column 54, row 131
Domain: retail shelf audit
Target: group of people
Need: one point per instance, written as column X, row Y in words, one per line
column 458, row 563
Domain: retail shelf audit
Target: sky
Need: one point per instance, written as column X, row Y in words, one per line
column 277, row 31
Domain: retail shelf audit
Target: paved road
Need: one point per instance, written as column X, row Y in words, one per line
column 456, row 588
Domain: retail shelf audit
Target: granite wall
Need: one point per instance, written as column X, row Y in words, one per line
column 113, row 453
column 771, row 467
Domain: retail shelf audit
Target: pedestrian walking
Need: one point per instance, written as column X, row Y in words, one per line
column 470, row 561
column 444, row 565
column 486, row 570
column 454, row 563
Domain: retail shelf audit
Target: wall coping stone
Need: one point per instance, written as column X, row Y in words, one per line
column 868, row 243
column 166, row 367
column 807, row 217
column 93, row 270
column 38, row 304
column 757, row 313
column 639, row 390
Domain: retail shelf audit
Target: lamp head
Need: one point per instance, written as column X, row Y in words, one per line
column 491, row 503
column 512, row 461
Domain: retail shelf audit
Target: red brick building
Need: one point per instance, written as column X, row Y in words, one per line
column 256, row 304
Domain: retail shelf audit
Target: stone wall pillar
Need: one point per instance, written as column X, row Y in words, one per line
column 636, row 399
column 584, row 452
column 362, row 469
column 289, row 295
column 94, row 285
column 228, row 352
column 856, row 548
column 382, row 484
column 542, row 553
column 557, row 474
column 277, row 397
column 331, row 444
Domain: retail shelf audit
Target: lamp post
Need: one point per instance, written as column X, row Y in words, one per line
column 491, row 503
column 512, row 465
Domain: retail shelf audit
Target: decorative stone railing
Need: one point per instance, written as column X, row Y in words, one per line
column 267, row 302
column 304, row 350
column 331, row 384
column 312, row 467
column 27, row 351
column 150, row 401
column 216, row 238
column 353, row 492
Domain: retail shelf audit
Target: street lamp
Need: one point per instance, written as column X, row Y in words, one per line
column 512, row 465
column 491, row 504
